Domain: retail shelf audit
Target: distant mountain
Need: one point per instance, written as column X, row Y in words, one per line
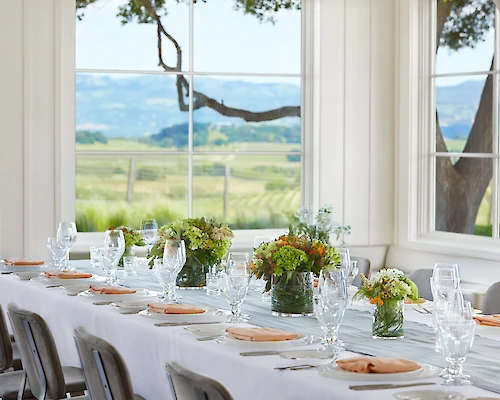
column 137, row 106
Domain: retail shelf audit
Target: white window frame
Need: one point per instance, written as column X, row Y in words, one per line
column 65, row 119
column 415, row 157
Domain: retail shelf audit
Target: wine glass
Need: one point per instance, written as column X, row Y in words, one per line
column 446, row 276
column 351, row 273
column 456, row 335
column 329, row 307
column 238, row 261
column 149, row 228
column 58, row 253
column 234, row 285
column 167, row 268
column 114, row 247
column 345, row 258
column 66, row 237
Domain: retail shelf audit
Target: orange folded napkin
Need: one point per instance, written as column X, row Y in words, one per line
column 261, row 334
column 377, row 365
column 487, row 320
column 22, row 261
column 419, row 301
column 111, row 290
column 164, row 308
column 67, row 275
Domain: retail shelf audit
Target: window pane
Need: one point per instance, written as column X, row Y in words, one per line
column 228, row 40
column 129, row 112
column 463, row 195
column 122, row 190
column 467, row 39
column 464, row 108
column 104, row 42
column 213, row 131
column 248, row 192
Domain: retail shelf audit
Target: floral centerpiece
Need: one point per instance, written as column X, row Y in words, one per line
column 288, row 265
column 388, row 289
column 207, row 242
column 319, row 226
column 132, row 238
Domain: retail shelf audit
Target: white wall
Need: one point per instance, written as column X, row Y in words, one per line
column 355, row 165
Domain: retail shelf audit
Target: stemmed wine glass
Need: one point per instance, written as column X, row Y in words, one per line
column 149, row 228
column 234, row 283
column 446, row 276
column 58, row 253
column 345, row 258
column 329, row 307
column 167, row 268
column 114, row 247
column 66, row 237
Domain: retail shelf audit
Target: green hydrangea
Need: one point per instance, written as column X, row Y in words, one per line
column 288, row 259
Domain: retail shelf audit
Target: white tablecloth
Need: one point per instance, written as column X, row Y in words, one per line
column 146, row 350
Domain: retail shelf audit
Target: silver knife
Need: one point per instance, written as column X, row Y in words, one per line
column 260, row 353
column 185, row 323
column 388, row 386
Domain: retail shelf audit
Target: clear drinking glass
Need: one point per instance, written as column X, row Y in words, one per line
column 238, row 262
column 114, row 247
column 58, row 253
column 149, row 228
column 130, row 265
column 95, row 258
column 345, row 257
column 446, row 276
column 351, row 273
column 168, row 268
column 329, row 307
column 213, row 283
column 66, row 237
column 234, row 285
column 456, row 336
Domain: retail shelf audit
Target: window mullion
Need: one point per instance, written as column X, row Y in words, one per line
column 495, row 148
column 191, row 110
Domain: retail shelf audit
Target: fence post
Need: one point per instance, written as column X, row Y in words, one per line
column 131, row 180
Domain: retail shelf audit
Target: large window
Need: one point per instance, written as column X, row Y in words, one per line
column 188, row 108
column 464, row 152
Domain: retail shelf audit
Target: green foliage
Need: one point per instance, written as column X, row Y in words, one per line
column 131, row 236
column 288, row 259
column 293, row 157
column 147, row 174
column 484, row 230
column 468, row 23
column 88, row 137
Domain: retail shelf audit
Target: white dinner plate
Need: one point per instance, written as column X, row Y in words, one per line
column 132, row 305
column 333, row 371
column 75, row 288
column 140, row 293
column 429, row 395
column 302, row 340
column 66, row 282
column 20, row 268
column 210, row 314
column 208, row 330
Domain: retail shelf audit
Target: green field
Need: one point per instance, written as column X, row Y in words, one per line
column 261, row 191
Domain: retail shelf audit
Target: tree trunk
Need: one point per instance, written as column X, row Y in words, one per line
column 460, row 188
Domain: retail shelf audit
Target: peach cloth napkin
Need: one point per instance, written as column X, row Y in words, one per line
column 261, row 334
column 410, row 301
column 487, row 320
column 164, row 308
column 377, row 365
column 67, row 275
column 22, row 261
column 111, row 290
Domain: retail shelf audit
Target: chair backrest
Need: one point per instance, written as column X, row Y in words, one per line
column 491, row 301
column 363, row 268
column 5, row 344
column 38, row 354
column 421, row 278
column 105, row 371
column 188, row 385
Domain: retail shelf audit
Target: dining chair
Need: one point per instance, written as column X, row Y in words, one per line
column 491, row 301
column 363, row 268
column 48, row 380
column 188, row 385
column 422, row 278
column 105, row 371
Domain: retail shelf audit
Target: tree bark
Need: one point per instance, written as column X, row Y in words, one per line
column 460, row 187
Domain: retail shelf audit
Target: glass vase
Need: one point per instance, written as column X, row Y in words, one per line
column 192, row 275
column 292, row 297
column 388, row 320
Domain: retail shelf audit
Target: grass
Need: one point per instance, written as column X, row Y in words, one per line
column 263, row 190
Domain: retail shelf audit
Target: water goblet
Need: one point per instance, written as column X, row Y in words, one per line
column 58, row 253
column 168, row 268
column 66, row 237
column 114, row 247
column 234, row 285
column 345, row 258
column 446, row 276
column 149, row 228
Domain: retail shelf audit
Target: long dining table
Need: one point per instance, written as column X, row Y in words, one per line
column 147, row 348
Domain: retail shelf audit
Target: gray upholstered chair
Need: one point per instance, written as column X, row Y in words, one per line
column 47, row 378
column 9, row 352
column 491, row 301
column 363, row 268
column 188, row 385
column 422, row 277
column 105, row 371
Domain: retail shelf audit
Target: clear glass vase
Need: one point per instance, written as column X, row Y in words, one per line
column 388, row 320
column 293, row 297
column 193, row 274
